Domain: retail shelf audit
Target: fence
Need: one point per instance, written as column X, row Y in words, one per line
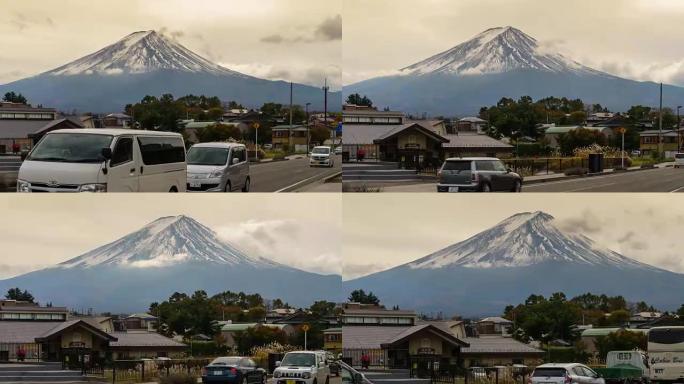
column 479, row 375
column 538, row 166
column 137, row 371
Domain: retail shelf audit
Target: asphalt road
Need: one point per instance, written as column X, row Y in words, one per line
column 652, row 180
column 266, row 177
column 272, row 177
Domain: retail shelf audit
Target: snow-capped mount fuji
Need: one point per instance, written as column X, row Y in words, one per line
column 497, row 50
column 501, row 62
column 150, row 63
column 141, row 52
column 524, row 254
column 522, row 240
column 164, row 242
column 170, row 254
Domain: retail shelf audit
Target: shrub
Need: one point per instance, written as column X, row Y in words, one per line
column 178, row 379
column 576, row 171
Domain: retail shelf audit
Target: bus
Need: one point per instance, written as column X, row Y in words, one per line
column 666, row 354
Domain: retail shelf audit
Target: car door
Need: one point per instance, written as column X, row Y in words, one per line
column 122, row 175
column 506, row 179
column 486, row 170
column 592, row 377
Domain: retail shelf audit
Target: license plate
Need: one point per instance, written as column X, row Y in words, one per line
column 453, row 189
column 290, row 381
column 195, row 185
column 217, row 373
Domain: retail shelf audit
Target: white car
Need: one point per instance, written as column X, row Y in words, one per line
column 218, row 167
column 679, row 160
column 105, row 160
column 321, row 156
column 338, row 150
column 302, row 367
column 572, row 373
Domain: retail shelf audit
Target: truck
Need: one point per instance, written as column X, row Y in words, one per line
column 625, row 367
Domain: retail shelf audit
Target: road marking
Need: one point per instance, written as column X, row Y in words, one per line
column 414, row 380
column 590, row 187
column 677, row 190
column 320, row 176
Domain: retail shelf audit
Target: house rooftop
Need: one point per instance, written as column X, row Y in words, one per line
column 497, row 344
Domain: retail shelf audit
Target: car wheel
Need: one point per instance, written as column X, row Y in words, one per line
column 228, row 187
column 245, row 188
column 173, row 189
column 244, row 380
column 517, row 186
column 486, row 187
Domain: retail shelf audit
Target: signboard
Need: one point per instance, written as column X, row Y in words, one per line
column 305, row 327
column 339, row 129
column 426, row 351
column 621, row 130
column 256, row 125
column 77, row 344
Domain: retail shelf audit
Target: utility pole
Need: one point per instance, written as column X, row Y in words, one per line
column 678, row 131
column 290, row 141
column 660, row 124
column 325, row 108
column 308, row 145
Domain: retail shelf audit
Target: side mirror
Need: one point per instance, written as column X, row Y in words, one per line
column 235, row 161
column 277, row 363
column 24, row 155
column 107, row 153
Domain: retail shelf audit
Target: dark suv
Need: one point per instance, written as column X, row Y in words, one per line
column 477, row 174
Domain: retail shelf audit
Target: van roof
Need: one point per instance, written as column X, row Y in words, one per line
column 471, row 158
column 219, row 144
column 116, row 132
column 558, row 365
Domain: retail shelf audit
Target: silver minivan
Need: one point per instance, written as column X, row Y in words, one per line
column 572, row 373
column 218, row 167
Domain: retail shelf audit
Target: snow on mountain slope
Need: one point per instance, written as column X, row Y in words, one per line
column 521, row 240
column 497, row 50
column 165, row 242
column 141, row 52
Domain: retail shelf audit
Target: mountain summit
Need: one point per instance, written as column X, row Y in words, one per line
column 164, row 242
column 501, row 62
column 521, row 240
column 141, row 52
column 524, row 254
column 497, row 50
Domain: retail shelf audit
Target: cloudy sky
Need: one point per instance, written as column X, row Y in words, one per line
column 296, row 40
column 299, row 230
column 638, row 39
column 385, row 231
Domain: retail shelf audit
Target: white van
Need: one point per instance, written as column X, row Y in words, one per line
column 218, row 167
column 105, row 160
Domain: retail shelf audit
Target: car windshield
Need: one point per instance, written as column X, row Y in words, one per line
column 71, row 148
column 323, row 150
column 679, row 156
column 226, row 361
column 299, row 360
column 549, row 372
column 457, row 166
column 207, row 156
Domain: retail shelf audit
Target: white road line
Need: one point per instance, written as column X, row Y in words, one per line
column 677, row 190
column 590, row 187
column 320, row 176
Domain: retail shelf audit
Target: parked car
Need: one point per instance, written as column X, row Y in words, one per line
column 268, row 146
column 321, row 155
column 636, row 153
column 338, row 150
column 625, row 367
column 477, row 174
column 104, row 160
column 350, row 375
column 302, row 367
column 233, row 370
column 218, row 167
column 679, row 160
column 572, row 373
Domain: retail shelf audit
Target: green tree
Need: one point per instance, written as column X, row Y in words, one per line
column 319, row 134
column 357, row 99
column 19, row 295
column 13, row 97
column 680, row 311
column 360, row 296
column 578, row 138
column 219, row 132
column 622, row 340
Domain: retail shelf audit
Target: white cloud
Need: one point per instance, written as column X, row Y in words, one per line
column 159, row 261
column 304, row 74
column 310, row 247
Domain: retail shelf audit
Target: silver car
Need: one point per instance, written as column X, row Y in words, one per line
column 218, row 167
column 572, row 373
column 477, row 174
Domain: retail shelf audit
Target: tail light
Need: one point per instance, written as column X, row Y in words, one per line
column 233, row 371
column 474, row 177
column 568, row 379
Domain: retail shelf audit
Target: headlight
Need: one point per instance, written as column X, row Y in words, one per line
column 277, row 374
column 216, row 173
column 93, row 188
column 23, row 186
column 306, row 375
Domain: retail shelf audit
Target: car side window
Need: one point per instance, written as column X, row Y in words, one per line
column 589, row 372
column 123, row 151
column 484, row 166
column 499, row 166
column 578, row 371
